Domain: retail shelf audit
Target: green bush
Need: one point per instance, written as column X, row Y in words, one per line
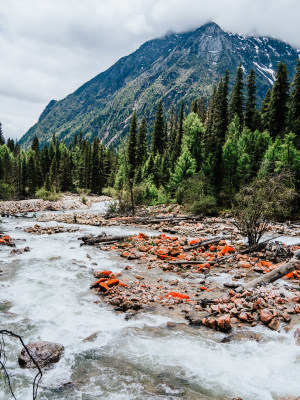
column 83, row 199
column 47, row 195
column 205, row 205
column 7, row 192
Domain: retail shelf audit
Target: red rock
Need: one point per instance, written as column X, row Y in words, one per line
column 244, row 264
column 174, row 252
column 290, row 310
column 297, row 308
column 125, row 254
column 286, row 316
column 266, row 315
column 224, row 323
column 243, row 316
column 134, row 255
column 142, row 235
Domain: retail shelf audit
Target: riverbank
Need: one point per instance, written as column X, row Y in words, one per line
column 66, row 202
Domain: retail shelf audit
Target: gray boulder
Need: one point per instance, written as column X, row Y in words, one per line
column 44, row 353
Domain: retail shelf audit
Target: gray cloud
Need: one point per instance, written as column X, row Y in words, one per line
column 50, row 48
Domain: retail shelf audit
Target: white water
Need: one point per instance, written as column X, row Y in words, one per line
column 48, row 288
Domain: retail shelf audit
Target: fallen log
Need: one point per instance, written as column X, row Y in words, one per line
column 291, row 265
column 258, row 245
column 102, row 239
column 211, row 262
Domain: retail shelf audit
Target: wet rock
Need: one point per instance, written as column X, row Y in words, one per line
column 266, row 315
column 242, row 336
column 286, row 316
column 297, row 336
column 91, row 337
column 224, row 323
column 274, row 324
column 134, row 255
column 44, row 353
column 193, row 318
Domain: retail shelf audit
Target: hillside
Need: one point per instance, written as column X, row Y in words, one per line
column 172, row 68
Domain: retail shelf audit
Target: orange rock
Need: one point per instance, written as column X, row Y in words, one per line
column 142, row 235
column 103, row 287
column 227, row 249
column 96, row 284
column 125, row 254
column 194, row 241
column 112, row 282
column 177, row 295
column 122, row 284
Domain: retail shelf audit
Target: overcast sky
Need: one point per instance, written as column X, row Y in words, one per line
column 51, row 47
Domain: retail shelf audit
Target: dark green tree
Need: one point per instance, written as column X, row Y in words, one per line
column 142, row 147
column 159, row 139
column 237, row 97
column 278, row 107
column 264, row 111
column 250, row 109
column 132, row 147
column 294, row 106
column 2, row 140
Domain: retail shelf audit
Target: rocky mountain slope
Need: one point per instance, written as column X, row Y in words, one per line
column 172, row 68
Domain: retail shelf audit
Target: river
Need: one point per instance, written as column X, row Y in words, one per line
column 45, row 295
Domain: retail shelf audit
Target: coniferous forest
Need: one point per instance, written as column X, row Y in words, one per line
column 201, row 155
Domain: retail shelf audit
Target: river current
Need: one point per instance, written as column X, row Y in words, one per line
column 45, row 295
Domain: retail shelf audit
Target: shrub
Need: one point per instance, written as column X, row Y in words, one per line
column 47, row 195
column 83, row 199
column 7, row 192
column 256, row 205
column 205, row 205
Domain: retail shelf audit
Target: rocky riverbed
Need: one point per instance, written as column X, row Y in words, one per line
column 150, row 327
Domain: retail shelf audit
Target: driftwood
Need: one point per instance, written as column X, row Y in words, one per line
column 94, row 240
column 291, row 265
column 211, row 262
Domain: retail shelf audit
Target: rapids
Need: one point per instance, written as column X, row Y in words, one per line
column 45, row 295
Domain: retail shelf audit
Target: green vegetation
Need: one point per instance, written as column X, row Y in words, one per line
column 203, row 159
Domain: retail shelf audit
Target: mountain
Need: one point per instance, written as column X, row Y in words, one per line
column 171, row 68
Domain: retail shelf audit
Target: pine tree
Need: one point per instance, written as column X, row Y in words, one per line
column 250, row 109
column 2, row 140
column 159, row 138
column 294, row 106
column 132, row 147
column 179, row 133
column 278, row 107
column 35, row 145
column 237, row 97
column 96, row 171
column 142, row 147
column 264, row 111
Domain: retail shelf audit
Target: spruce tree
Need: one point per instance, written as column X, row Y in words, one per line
column 159, row 138
column 2, row 140
column 179, row 132
column 95, row 167
column 294, row 106
column 278, row 107
column 132, row 147
column 250, row 109
column 237, row 96
column 142, row 147
column 264, row 111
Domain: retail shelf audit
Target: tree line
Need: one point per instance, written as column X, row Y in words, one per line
column 55, row 168
column 200, row 155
